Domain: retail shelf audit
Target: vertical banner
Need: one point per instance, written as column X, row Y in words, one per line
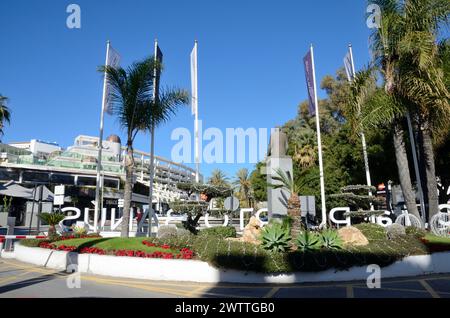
column 114, row 62
column 194, row 79
column 309, row 73
column 194, row 104
column 348, row 64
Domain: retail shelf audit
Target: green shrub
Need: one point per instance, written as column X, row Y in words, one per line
column 416, row 232
column 166, row 231
column 275, row 238
column 308, row 241
column 34, row 242
column 372, row 231
column 330, row 239
column 219, row 231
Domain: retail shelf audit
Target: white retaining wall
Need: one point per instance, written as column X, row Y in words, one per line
column 198, row 271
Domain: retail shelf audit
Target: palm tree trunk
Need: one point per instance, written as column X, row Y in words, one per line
column 403, row 170
column 433, row 199
column 127, row 192
column 295, row 214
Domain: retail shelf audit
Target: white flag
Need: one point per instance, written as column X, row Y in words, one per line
column 194, row 92
column 113, row 61
column 349, row 67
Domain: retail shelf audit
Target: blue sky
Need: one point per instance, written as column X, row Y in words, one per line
column 250, row 60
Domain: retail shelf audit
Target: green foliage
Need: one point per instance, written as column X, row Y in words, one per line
column 331, row 240
column 249, row 257
column 372, row 231
column 414, row 231
column 308, row 241
column 259, row 183
column 210, row 190
column 275, row 238
column 218, row 231
column 52, row 219
column 79, row 230
column 167, row 231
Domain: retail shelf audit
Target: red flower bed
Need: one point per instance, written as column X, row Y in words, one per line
column 58, row 248
column 435, row 247
column 185, row 253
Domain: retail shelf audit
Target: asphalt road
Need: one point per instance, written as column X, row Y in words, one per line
column 21, row 280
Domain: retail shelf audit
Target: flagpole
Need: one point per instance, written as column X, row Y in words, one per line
column 152, row 150
column 412, row 140
column 363, row 136
column 197, row 147
column 323, row 224
column 98, row 203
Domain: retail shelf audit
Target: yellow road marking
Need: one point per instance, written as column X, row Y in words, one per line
column 272, row 292
column 349, row 290
column 7, row 279
column 429, row 289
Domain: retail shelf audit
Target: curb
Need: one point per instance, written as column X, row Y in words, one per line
column 202, row 272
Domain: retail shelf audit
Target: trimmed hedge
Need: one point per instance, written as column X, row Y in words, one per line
column 249, row 257
column 218, row 231
column 372, row 231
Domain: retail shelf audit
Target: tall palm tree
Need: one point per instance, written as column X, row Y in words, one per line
column 132, row 100
column 218, row 178
column 5, row 113
column 405, row 50
column 244, row 185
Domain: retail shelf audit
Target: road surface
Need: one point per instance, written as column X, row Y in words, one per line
column 29, row 281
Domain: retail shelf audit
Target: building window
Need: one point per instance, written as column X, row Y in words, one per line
column 87, row 181
column 62, row 179
column 32, row 176
column 8, row 175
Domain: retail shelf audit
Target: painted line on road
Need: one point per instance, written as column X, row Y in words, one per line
column 272, row 292
column 429, row 289
column 349, row 291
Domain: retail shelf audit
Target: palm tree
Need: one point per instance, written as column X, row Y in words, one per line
column 218, row 178
column 405, row 51
column 5, row 113
column 52, row 219
column 244, row 185
column 286, row 181
column 422, row 81
column 131, row 97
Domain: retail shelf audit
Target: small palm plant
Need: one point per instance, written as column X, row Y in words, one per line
column 331, row 240
column 286, row 181
column 308, row 241
column 275, row 238
column 52, row 219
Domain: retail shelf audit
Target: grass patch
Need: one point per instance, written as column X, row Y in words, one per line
column 114, row 244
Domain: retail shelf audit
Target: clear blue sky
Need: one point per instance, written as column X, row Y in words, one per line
column 250, row 60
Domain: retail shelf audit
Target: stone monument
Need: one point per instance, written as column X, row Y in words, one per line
column 277, row 158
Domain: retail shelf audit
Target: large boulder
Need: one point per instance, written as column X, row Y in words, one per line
column 252, row 231
column 352, row 236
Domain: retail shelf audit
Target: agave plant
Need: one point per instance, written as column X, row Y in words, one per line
column 275, row 238
column 331, row 240
column 52, row 219
column 308, row 241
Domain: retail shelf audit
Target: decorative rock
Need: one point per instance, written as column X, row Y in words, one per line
column 352, row 236
column 395, row 230
column 252, row 231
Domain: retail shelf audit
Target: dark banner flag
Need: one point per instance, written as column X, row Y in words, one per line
column 309, row 73
column 159, row 58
